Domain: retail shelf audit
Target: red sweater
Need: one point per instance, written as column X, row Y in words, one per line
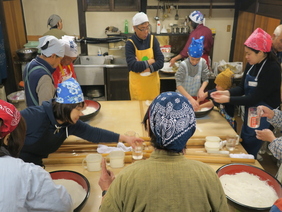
column 201, row 30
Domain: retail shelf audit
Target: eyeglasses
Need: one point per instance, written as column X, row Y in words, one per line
column 145, row 28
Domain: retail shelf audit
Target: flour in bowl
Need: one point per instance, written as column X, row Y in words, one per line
column 204, row 109
column 248, row 189
column 76, row 191
column 88, row 110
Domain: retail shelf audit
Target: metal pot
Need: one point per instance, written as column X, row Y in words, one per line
column 27, row 54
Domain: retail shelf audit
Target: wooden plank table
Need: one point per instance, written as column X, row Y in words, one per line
column 122, row 116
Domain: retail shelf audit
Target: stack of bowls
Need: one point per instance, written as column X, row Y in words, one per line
column 212, row 144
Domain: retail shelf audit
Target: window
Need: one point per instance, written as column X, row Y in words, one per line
column 112, row 5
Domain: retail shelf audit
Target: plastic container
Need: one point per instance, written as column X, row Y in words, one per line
column 17, row 99
column 213, row 139
column 158, row 27
column 212, row 147
column 99, row 52
column 126, row 27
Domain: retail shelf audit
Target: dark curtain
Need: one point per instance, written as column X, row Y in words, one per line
column 3, row 62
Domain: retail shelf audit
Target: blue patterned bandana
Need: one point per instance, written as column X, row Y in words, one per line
column 196, row 47
column 172, row 120
column 69, row 92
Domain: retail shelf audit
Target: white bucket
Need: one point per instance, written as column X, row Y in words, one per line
column 17, row 99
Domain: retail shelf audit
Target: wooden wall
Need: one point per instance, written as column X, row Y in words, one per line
column 15, row 38
column 247, row 23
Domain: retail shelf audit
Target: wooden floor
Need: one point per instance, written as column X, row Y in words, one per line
column 267, row 161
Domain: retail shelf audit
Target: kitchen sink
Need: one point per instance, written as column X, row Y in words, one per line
column 100, row 60
column 116, row 61
column 90, row 69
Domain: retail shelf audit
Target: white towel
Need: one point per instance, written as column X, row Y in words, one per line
column 107, row 149
column 242, row 155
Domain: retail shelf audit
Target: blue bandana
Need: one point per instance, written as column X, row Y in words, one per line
column 196, row 47
column 172, row 120
column 69, row 92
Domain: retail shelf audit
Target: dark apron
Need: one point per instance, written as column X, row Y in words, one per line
column 249, row 141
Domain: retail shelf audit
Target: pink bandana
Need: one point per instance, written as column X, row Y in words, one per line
column 259, row 40
column 10, row 116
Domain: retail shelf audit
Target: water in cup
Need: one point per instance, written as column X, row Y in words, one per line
column 137, row 151
column 253, row 117
column 231, row 142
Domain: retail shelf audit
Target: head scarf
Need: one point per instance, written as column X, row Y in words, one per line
column 70, row 46
column 139, row 18
column 53, row 20
column 224, row 79
column 69, row 92
column 197, row 17
column 259, row 40
column 55, row 46
column 10, row 118
column 172, row 120
column 196, row 47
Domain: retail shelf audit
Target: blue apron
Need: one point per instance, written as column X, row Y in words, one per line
column 249, row 141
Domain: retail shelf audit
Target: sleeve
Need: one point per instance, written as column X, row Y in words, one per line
column 93, row 134
column 45, row 89
column 276, row 121
column 276, row 148
column 45, row 194
column 205, row 71
column 132, row 63
column 158, row 56
column 180, row 75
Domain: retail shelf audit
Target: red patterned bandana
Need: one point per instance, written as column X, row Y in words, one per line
column 10, row 116
column 259, row 40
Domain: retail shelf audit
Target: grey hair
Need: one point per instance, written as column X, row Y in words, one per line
column 278, row 30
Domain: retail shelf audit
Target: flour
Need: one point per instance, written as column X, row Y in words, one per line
column 76, row 191
column 204, row 109
column 88, row 110
column 248, row 189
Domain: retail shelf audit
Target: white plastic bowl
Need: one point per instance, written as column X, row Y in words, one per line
column 212, row 147
column 213, row 139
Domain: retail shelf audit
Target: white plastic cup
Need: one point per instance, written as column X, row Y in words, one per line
column 93, row 162
column 254, row 117
column 116, row 159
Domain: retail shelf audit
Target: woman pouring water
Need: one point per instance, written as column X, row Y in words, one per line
column 260, row 85
column 51, row 123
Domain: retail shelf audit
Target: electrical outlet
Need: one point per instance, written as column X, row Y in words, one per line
column 228, row 28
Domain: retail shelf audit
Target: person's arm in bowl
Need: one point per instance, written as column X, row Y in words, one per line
column 208, row 104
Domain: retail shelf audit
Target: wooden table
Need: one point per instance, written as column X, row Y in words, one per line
column 122, row 116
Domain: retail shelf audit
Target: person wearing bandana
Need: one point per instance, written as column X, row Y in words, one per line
column 144, row 58
column 260, row 85
column 51, row 123
column 192, row 76
column 196, row 21
column 56, row 25
column 65, row 69
column 167, row 181
column 24, row 186
column 37, row 76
